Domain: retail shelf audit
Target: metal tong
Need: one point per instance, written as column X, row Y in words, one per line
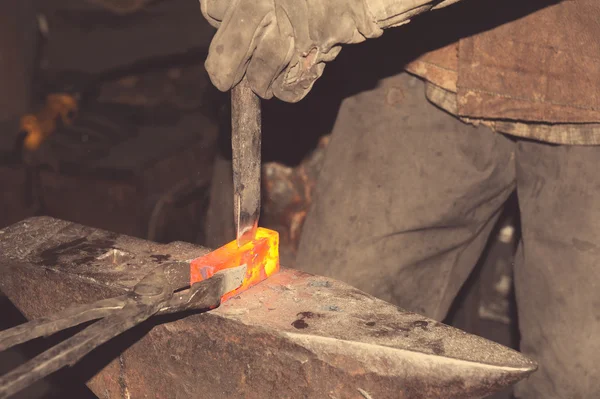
column 157, row 293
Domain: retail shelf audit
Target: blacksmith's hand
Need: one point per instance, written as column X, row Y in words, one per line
column 282, row 45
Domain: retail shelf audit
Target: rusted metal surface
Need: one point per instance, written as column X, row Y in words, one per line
column 293, row 336
column 165, row 290
column 246, row 136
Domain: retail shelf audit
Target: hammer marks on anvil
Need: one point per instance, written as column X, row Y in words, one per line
column 261, row 257
column 294, row 335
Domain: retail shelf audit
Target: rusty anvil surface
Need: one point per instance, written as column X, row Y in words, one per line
column 293, row 336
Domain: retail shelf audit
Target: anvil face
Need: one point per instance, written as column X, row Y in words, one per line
column 294, row 335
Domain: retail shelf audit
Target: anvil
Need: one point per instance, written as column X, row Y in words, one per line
column 294, row 335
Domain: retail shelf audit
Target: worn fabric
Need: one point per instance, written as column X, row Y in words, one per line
column 541, row 68
column 439, row 67
column 557, row 133
column 406, row 200
column 282, row 46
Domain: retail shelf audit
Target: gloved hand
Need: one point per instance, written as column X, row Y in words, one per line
column 281, row 45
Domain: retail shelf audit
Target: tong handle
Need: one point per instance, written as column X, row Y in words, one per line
column 69, row 317
column 73, row 349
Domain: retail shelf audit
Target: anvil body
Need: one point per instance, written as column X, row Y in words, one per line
column 294, row 335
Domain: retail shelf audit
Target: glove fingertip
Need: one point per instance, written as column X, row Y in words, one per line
column 219, row 79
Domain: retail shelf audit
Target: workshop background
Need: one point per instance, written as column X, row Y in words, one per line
column 108, row 119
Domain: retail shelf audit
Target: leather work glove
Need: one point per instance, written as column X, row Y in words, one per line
column 282, row 45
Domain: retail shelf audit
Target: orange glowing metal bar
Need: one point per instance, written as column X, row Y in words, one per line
column 261, row 257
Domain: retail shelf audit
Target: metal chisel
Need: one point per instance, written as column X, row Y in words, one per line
column 246, row 144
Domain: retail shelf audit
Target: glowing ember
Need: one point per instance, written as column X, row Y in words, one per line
column 41, row 125
column 260, row 256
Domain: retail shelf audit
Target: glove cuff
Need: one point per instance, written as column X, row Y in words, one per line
column 392, row 13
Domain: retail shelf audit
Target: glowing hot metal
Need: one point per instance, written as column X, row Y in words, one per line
column 261, row 257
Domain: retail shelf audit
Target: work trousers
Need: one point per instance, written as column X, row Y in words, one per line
column 405, row 203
